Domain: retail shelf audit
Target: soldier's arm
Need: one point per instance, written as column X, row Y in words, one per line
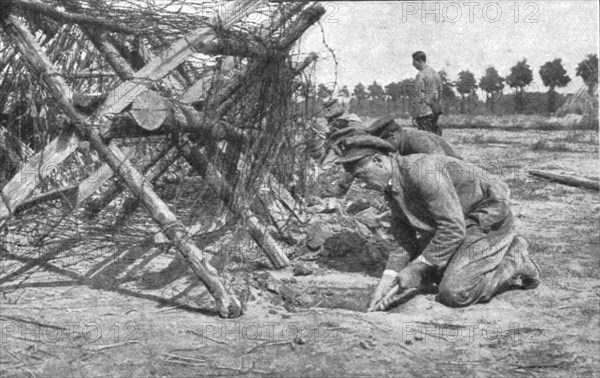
column 441, row 200
column 418, row 95
column 440, row 89
column 407, row 248
column 420, row 88
column 398, row 259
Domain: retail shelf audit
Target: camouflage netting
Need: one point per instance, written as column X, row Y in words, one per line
column 267, row 108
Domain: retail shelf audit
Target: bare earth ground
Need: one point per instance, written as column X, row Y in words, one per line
column 315, row 325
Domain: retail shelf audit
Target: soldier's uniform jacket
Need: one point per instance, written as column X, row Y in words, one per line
column 428, row 88
column 441, row 199
column 411, row 141
column 352, row 119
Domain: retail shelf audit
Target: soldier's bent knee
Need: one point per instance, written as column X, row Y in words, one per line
column 454, row 297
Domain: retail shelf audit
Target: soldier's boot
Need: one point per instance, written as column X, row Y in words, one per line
column 528, row 272
column 524, row 272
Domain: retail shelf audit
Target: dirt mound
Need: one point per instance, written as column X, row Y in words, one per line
column 349, row 251
column 282, row 292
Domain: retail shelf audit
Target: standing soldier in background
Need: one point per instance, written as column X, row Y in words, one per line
column 427, row 100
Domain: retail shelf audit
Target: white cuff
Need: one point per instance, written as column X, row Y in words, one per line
column 422, row 259
column 389, row 272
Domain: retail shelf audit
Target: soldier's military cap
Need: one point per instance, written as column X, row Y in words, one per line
column 345, row 133
column 360, row 146
column 383, row 126
column 332, row 109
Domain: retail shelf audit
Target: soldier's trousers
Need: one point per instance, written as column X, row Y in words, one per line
column 485, row 262
column 481, row 267
column 429, row 123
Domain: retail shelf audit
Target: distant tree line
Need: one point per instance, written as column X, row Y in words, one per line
column 462, row 95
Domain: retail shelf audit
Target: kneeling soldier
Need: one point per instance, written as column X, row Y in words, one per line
column 451, row 218
column 403, row 141
column 410, row 141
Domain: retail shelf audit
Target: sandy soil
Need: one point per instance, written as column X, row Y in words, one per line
column 125, row 321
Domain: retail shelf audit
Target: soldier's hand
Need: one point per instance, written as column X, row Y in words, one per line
column 385, row 284
column 412, row 275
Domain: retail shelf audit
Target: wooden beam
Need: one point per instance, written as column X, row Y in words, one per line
column 233, row 47
column 91, row 184
column 199, row 89
column 16, row 192
column 67, row 192
column 89, row 74
column 567, row 180
column 110, row 53
column 153, row 174
column 95, row 207
column 77, row 193
column 175, row 80
column 33, row 171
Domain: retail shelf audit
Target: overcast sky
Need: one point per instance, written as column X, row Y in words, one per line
column 375, row 40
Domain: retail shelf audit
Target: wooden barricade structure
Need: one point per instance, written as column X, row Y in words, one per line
column 136, row 106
